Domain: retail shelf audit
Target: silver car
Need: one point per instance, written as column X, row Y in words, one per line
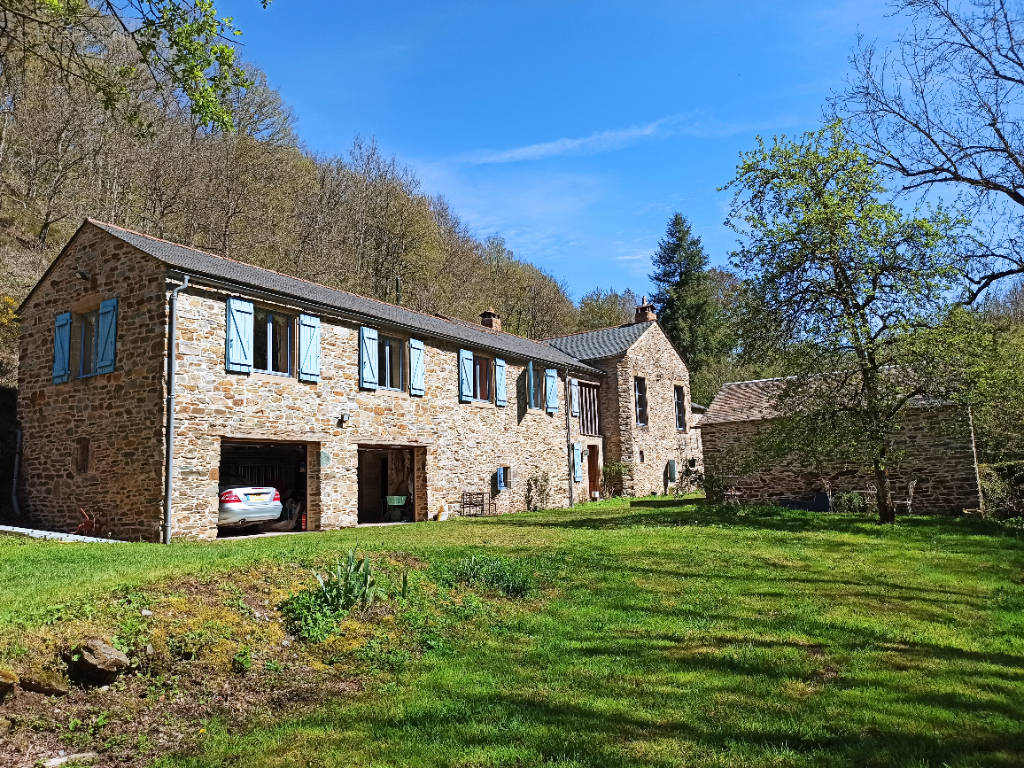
column 242, row 504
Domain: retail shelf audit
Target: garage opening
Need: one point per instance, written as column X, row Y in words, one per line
column 387, row 485
column 263, row 487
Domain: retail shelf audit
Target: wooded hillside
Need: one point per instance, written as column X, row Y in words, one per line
column 359, row 222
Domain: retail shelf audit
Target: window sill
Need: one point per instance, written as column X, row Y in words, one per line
column 276, row 374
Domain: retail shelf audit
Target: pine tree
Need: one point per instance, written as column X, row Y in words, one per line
column 687, row 300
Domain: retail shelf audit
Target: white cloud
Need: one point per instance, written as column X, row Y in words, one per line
column 699, row 124
column 594, row 143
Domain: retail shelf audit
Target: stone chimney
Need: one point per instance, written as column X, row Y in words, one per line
column 490, row 319
column 645, row 312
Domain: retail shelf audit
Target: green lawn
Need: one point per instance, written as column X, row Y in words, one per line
column 671, row 634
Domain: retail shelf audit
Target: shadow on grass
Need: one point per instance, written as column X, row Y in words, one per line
column 698, row 512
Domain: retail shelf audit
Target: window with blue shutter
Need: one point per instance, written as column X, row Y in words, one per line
column 500, row 386
column 62, row 348
column 671, row 470
column 574, row 397
column 106, row 337
column 417, row 368
column 238, row 341
column 465, row 376
column 309, row 348
column 368, row 357
column 501, row 478
column 577, row 462
column 551, row 390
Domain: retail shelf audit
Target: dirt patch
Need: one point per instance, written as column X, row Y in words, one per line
column 199, row 650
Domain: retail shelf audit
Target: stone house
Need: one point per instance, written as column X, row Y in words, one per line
column 934, row 450
column 149, row 371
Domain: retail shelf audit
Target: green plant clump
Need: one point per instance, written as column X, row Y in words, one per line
column 509, row 577
column 850, row 503
column 313, row 614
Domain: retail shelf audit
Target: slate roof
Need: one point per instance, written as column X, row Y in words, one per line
column 743, row 401
column 202, row 264
column 752, row 401
column 602, row 343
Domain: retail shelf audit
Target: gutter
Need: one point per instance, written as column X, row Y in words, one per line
column 568, row 440
column 172, row 360
column 15, row 508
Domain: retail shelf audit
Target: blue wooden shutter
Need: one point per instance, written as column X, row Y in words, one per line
column 62, row 348
column 417, row 368
column 551, row 389
column 531, row 402
column 501, row 478
column 368, row 358
column 309, row 348
column 465, row 375
column 500, row 386
column 574, row 397
column 238, row 355
column 577, row 462
column 671, row 470
column 106, row 347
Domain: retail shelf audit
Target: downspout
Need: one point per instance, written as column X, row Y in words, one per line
column 172, row 356
column 568, row 440
column 14, row 482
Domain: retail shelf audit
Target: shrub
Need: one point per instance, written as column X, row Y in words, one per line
column 1002, row 488
column 849, row 503
column 613, row 477
column 509, row 577
column 313, row 614
column 537, row 488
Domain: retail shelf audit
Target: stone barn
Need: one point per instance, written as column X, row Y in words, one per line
column 934, row 450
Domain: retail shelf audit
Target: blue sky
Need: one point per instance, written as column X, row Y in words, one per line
column 573, row 129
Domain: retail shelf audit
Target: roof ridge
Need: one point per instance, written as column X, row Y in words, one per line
column 437, row 315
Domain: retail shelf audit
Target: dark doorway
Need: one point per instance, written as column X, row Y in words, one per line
column 387, row 489
column 594, row 469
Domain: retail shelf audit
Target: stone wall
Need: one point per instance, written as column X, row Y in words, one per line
column 935, row 447
column 461, row 445
column 120, row 415
column 654, row 358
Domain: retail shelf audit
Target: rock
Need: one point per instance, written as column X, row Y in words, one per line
column 96, row 662
column 7, row 682
column 79, row 758
column 45, row 683
column 146, row 612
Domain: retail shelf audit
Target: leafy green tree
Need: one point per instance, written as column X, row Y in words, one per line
column 687, row 298
column 182, row 45
column 605, row 309
column 847, row 278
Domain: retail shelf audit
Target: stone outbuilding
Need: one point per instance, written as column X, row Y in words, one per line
column 151, row 374
column 934, row 451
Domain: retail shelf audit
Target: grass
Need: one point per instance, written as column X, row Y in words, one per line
column 666, row 633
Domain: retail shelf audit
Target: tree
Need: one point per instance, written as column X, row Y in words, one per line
column 940, row 111
column 606, row 309
column 847, row 278
column 184, row 46
column 686, row 298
